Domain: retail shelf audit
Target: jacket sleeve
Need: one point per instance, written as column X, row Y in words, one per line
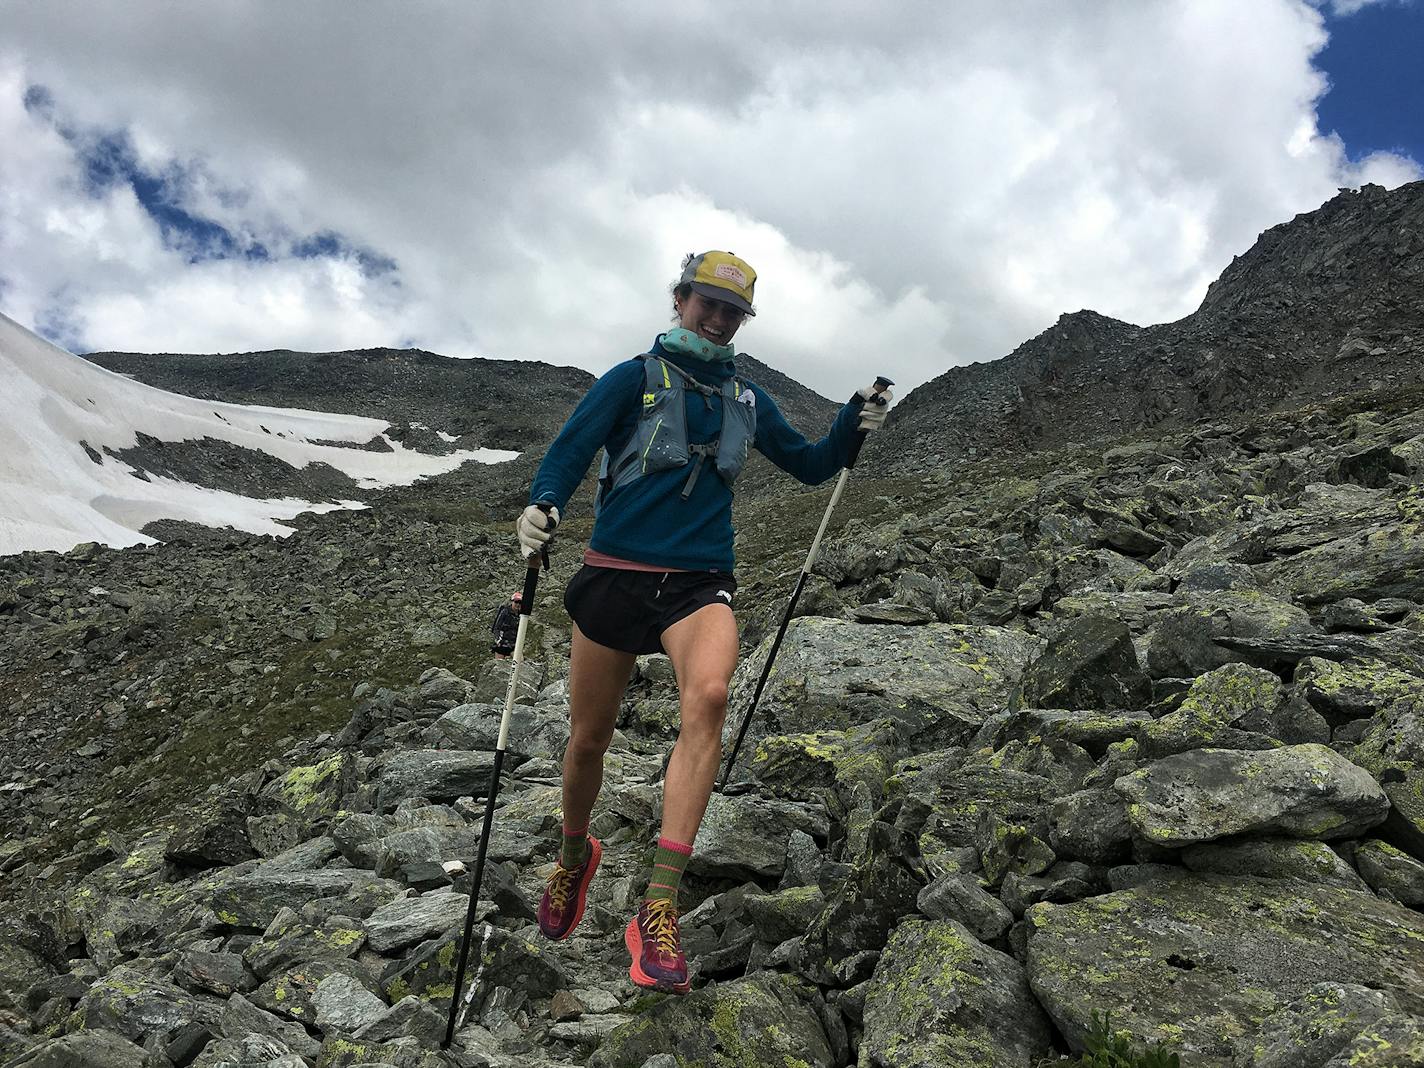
column 779, row 442
column 611, row 400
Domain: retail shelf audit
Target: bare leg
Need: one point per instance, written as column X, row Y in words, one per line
column 703, row 650
column 598, row 676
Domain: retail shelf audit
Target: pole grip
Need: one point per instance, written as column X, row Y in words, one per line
column 881, row 385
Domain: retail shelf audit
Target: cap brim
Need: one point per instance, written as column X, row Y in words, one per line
column 726, row 296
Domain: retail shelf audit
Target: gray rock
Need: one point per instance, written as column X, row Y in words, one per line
column 492, row 685
column 241, row 1018
column 140, row 1007
column 1302, row 791
column 1309, row 1030
column 959, row 896
column 1127, row 876
column 398, row 853
column 1392, row 872
column 926, row 677
column 290, row 941
column 410, row 1017
column 214, row 973
column 509, row 960
column 344, row 1005
column 1221, row 707
column 1186, row 641
column 85, row 1049
column 941, row 997
column 1274, row 858
column 1353, row 690
column 1090, row 825
column 1194, row 962
column 248, row 1051
column 1393, row 1041
column 746, row 836
column 784, row 914
column 435, row 774
column 254, row 899
column 1006, row 847
column 532, row 731
column 1090, row 664
column 403, row 923
column 762, row 1019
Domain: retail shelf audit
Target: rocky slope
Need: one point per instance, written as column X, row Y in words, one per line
column 1328, row 303
column 1127, row 722
column 1134, row 728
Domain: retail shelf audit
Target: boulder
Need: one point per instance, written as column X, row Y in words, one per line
column 1274, row 858
column 961, row 897
column 937, row 682
column 764, row 1019
column 1202, row 963
column 941, row 997
column 434, row 774
column 1311, row 1029
column 404, row 922
column 533, row 731
column 1391, row 872
column 343, row 1005
column 1301, row 791
column 253, row 899
column 744, row 836
column 139, row 1007
column 86, row 1049
column 1089, row 664
column 1185, row 642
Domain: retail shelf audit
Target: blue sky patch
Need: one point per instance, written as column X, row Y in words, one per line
column 1376, row 97
column 108, row 159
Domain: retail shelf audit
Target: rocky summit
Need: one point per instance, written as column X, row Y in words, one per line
column 1128, row 727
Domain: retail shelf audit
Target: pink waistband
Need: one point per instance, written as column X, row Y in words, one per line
column 594, row 558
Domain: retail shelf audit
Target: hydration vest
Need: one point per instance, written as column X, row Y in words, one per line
column 659, row 441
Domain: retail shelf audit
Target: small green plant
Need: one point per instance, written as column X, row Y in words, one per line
column 1107, row 1049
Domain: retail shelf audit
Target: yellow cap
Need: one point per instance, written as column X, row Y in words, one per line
column 722, row 276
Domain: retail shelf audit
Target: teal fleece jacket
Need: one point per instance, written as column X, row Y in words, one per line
column 647, row 520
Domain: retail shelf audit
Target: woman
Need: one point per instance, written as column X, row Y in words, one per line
column 675, row 425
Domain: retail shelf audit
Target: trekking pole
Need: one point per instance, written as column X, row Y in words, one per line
column 526, row 606
column 881, row 385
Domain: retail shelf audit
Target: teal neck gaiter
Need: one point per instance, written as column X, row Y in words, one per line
column 680, row 339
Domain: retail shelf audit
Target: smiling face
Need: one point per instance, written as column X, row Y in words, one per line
column 714, row 320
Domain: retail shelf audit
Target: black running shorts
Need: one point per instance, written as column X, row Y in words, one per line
column 629, row 610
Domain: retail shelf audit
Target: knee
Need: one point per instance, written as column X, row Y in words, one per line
column 704, row 706
column 589, row 741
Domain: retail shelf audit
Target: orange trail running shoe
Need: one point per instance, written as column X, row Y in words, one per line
column 566, row 894
column 653, row 940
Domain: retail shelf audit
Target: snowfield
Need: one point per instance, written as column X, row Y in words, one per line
column 53, row 495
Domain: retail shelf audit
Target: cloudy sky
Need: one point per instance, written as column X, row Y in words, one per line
column 919, row 184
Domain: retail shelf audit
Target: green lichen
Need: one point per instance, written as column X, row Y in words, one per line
column 299, row 786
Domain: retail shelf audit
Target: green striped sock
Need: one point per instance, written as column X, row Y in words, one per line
column 575, row 848
column 669, row 863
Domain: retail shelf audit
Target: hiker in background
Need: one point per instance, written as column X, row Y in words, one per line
column 506, row 627
column 675, row 425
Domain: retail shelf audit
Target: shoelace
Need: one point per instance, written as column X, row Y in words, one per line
column 560, row 883
column 662, row 925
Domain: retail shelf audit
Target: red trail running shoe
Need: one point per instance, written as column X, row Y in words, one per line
column 566, row 894
column 653, row 940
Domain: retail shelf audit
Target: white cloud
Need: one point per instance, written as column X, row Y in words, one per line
column 916, row 191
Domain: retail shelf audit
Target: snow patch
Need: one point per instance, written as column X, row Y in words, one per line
column 53, row 495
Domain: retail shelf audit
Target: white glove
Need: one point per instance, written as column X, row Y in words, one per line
column 535, row 527
column 874, row 409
